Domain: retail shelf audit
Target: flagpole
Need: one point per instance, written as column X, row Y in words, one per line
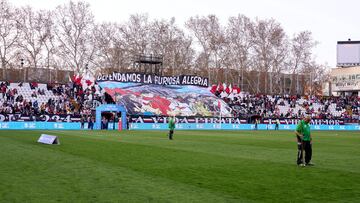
column 220, row 114
column 220, row 117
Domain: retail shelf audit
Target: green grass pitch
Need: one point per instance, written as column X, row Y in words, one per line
column 197, row 166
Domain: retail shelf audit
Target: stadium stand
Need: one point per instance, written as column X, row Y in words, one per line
column 287, row 106
column 36, row 99
column 39, row 99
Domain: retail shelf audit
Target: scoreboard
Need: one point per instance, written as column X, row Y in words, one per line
column 348, row 53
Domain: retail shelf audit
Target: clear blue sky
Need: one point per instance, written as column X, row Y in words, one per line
column 328, row 20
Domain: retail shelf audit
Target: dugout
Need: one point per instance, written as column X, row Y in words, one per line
column 109, row 109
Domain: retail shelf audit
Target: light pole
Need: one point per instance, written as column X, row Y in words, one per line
column 311, row 84
column 242, row 79
column 22, row 67
column 86, row 70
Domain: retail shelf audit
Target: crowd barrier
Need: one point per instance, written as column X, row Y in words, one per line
column 164, row 126
column 39, row 125
column 212, row 126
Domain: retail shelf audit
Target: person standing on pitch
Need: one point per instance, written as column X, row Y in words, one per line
column 171, row 127
column 82, row 120
column 304, row 139
column 256, row 124
column 277, row 123
column 127, row 122
column 90, row 123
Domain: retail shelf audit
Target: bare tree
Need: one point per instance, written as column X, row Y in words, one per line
column 259, row 53
column 239, row 46
column 184, row 55
column 49, row 41
column 211, row 38
column 135, row 34
column 110, row 47
column 9, row 34
column 315, row 75
column 300, row 57
column 75, row 23
column 270, row 49
column 169, row 41
column 279, row 51
column 34, row 34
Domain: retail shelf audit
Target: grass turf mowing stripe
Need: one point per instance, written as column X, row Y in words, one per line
column 51, row 176
column 282, row 151
column 234, row 177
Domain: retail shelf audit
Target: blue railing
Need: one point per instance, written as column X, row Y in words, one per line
column 164, row 126
column 212, row 126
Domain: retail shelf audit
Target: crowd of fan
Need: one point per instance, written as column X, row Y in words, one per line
column 74, row 100
column 65, row 99
column 287, row 106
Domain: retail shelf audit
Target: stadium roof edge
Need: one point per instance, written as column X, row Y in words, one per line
column 348, row 42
